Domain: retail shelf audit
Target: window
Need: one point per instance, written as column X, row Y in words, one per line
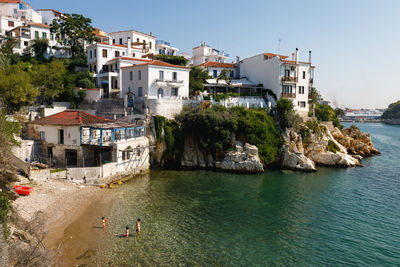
column 159, row 51
column 215, row 73
column 304, row 74
column 15, row 11
column 61, row 137
column 51, row 36
column 44, row 35
column 174, row 92
column 137, row 40
column 231, row 74
column 161, row 75
column 174, row 76
column 150, row 45
column 90, row 68
column 287, row 73
column 105, row 53
column 95, row 53
column 124, row 155
column 301, row 89
column 302, row 104
column 160, row 92
column 116, row 53
column 95, row 68
column 26, row 43
column 133, row 54
column 129, row 89
column 42, row 136
column 10, row 23
column 140, row 91
column 113, row 41
column 287, row 89
column 90, row 54
column 139, row 75
column 36, row 34
column 120, row 41
column 131, row 75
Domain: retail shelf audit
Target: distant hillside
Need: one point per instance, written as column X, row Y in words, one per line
column 393, row 111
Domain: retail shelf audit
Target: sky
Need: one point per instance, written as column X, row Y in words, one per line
column 355, row 44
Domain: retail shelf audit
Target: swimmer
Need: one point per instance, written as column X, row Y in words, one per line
column 138, row 226
column 104, row 221
column 126, row 232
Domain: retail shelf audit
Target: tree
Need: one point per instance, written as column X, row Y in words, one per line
column 74, row 29
column 7, row 56
column 224, row 75
column 339, row 112
column 285, row 115
column 197, row 78
column 175, row 60
column 315, row 97
column 38, row 47
column 16, row 89
column 326, row 113
column 392, row 112
column 49, row 80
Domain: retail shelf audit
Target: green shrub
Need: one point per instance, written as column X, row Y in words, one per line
column 159, row 122
column 354, row 127
column 332, row 147
column 305, row 134
column 4, row 210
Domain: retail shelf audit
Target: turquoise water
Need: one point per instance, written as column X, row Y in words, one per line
column 335, row 217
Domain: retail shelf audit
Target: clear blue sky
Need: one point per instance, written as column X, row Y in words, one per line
column 355, row 44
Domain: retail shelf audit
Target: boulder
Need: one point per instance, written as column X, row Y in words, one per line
column 242, row 159
column 296, row 160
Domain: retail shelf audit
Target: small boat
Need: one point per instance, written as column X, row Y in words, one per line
column 23, row 190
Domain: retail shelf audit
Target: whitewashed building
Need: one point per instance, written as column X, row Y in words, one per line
column 20, row 10
column 146, row 43
column 157, row 87
column 290, row 79
column 9, row 23
column 205, row 53
column 90, row 145
column 165, row 48
column 49, row 15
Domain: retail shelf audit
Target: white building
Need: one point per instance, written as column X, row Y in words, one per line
column 100, row 57
column 159, row 87
column 75, row 138
column 49, row 15
column 19, row 10
column 205, row 53
column 290, row 79
column 215, row 68
column 8, row 23
column 165, row 48
column 139, row 40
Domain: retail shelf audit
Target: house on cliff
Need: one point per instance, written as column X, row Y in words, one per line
column 81, row 141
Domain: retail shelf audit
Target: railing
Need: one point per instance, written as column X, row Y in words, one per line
column 288, row 95
column 163, row 42
column 24, row 35
column 169, row 81
column 289, row 79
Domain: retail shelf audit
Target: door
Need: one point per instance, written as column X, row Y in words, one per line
column 71, row 158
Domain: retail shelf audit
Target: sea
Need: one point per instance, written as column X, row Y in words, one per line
column 333, row 217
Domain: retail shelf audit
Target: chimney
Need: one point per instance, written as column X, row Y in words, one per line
column 129, row 53
column 237, row 59
column 110, row 40
column 309, row 57
column 202, row 43
column 297, row 56
column 293, row 56
column 151, row 33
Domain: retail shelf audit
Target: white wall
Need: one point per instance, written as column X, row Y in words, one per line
column 4, row 24
column 134, row 35
column 71, row 134
column 168, row 108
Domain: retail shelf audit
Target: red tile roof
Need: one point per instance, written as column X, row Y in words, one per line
column 130, row 58
column 71, row 118
column 212, row 64
column 39, row 25
column 158, row 63
column 275, row 55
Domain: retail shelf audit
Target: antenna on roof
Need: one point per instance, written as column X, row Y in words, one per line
column 279, row 45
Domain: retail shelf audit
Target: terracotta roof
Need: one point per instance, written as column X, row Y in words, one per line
column 129, row 58
column 158, row 63
column 49, row 9
column 39, row 25
column 212, row 64
column 71, row 118
column 10, row 1
column 275, row 55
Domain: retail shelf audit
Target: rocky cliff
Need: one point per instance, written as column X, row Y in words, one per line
column 328, row 147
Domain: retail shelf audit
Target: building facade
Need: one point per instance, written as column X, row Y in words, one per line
column 291, row 79
column 205, row 53
column 165, row 48
column 140, row 41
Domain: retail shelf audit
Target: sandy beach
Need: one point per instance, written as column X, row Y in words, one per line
column 69, row 209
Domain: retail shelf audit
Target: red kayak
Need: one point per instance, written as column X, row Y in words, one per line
column 23, row 190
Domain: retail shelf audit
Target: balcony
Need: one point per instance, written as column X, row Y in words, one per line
column 162, row 42
column 289, row 79
column 175, row 83
column 288, row 95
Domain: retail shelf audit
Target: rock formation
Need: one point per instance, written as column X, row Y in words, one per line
column 242, row 159
column 332, row 147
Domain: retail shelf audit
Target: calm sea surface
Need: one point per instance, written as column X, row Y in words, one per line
column 335, row 217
